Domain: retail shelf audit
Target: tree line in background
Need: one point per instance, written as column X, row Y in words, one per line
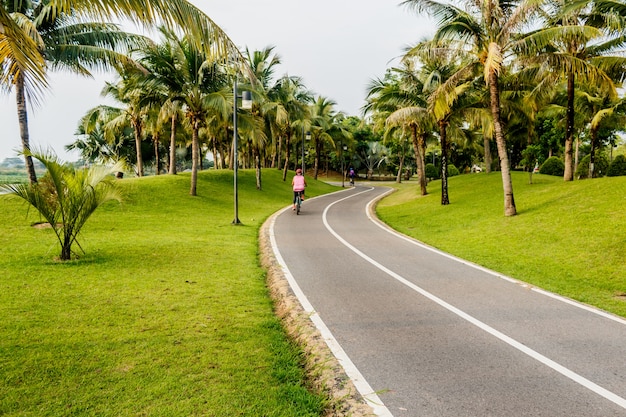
column 501, row 85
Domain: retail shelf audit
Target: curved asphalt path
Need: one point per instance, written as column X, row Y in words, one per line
column 422, row 333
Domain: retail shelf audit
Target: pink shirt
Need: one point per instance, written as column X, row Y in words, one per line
column 298, row 183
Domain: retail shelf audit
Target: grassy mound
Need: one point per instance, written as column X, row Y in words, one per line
column 166, row 313
column 568, row 237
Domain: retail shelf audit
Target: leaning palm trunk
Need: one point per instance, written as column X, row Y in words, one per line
column 172, row 170
column 157, row 158
column 66, row 197
column 418, row 146
column 592, row 153
column 487, row 146
column 138, row 127
column 400, row 168
column 195, row 157
column 445, row 200
column 507, row 184
column 287, row 155
column 22, row 117
column 568, row 174
column 257, row 163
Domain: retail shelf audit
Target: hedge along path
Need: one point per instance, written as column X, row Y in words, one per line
column 323, row 370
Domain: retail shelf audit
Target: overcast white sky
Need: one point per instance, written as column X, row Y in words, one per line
column 336, row 46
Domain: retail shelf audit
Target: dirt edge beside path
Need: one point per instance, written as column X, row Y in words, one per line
column 323, row 370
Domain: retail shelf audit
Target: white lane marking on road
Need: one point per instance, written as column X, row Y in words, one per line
column 366, row 391
column 379, row 223
column 483, row 326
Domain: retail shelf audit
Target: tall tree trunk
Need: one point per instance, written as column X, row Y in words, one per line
column 195, row 157
column 279, row 150
column 137, row 127
column 419, row 158
column 157, row 158
column 399, row 176
column 568, row 174
column 592, row 154
column 172, row 169
column 445, row 200
column 257, row 163
column 286, row 166
column 488, row 160
column 318, row 151
column 216, row 156
column 576, row 154
column 22, row 117
column 507, row 184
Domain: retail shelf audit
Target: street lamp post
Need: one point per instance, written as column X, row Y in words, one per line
column 246, row 103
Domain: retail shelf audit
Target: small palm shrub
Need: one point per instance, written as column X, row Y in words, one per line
column 617, row 167
column 66, row 197
column 552, row 166
column 453, row 171
column 600, row 168
column 431, row 171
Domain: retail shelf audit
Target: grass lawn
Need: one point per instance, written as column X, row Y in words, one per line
column 166, row 313
column 568, row 237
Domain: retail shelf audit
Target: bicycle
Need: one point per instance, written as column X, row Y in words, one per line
column 352, row 181
column 298, row 201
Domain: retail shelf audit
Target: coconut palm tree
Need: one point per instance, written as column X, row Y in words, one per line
column 23, row 50
column 20, row 53
column 67, row 197
column 326, row 128
column 401, row 98
column 263, row 64
column 287, row 104
column 204, row 93
column 129, row 92
column 580, row 44
column 65, row 42
column 488, row 29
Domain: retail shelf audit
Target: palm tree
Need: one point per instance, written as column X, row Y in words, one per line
column 575, row 45
column 66, row 43
column 287, row 104
column 67, row 197
column 127, row 91
column 263, row 64
column 163, row 82
column 488, row 29
column 326, row 128
column 22, row 49
column 402, row 100
column 93, row 145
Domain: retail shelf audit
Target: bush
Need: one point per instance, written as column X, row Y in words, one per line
column 553, row 166
column 600, row 168
column 453, row 170
column 431, row 171
column 617, row 167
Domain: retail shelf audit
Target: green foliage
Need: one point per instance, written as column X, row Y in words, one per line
column 552, row 166
column 551, row 134
column 617, row 167
column 66, row 197
column 531, row 156
column 600, row 169
column 564, row 233
column 453, row 170
column 431, row 171
column 167, row 314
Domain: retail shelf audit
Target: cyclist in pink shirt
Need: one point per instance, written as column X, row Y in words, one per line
column 298, row 184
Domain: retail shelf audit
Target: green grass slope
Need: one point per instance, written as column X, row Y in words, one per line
column 166, row 313
column 568, row 237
